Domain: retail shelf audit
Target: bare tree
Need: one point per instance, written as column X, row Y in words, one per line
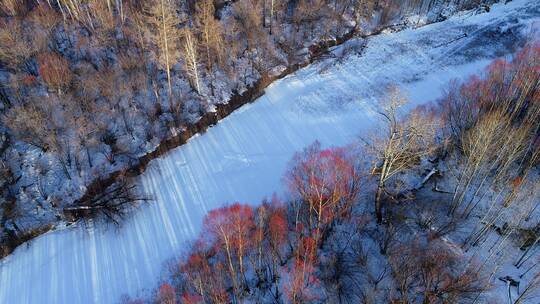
column 210, row 31
column 100, row 13
column 112, row 203
column 274, row 7
column 191, row 58
column 163, row 22
column 10, row 7
column 17, row 44
column 27, row 122
column 54, row 69
column 43, row 18
column 249, row 22
column 433, row 273
column 69, row 8
column 401, row 146
column 45, row 124
column 363, row 9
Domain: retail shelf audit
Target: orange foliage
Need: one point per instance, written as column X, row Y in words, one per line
column 54, row 69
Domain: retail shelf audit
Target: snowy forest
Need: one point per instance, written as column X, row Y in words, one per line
column 354, row 231
column 437, row 203
column 89, row 87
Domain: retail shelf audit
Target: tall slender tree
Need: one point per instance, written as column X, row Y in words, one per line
column 400, row 146
column 163, row 22
column 191, row 58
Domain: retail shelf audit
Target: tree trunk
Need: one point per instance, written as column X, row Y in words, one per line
column 166, row 48
column 271, row 15
column 378, row 204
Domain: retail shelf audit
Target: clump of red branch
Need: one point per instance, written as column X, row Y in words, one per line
column 292, row 252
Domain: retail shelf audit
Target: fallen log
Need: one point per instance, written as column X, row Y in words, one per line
column 426, row 178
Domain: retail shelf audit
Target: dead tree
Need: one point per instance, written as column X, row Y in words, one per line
column 112, row 203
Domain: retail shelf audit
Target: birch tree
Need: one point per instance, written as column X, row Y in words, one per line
column 191, row 58
column 401, row 145
column 327, row 184
column 232, row 227
column 68, row 8
column 210, row 31
column 163, row 22
column 274, row 6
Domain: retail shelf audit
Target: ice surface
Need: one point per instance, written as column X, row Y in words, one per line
column 244, row 156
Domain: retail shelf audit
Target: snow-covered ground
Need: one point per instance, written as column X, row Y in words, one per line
column 244, row 156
